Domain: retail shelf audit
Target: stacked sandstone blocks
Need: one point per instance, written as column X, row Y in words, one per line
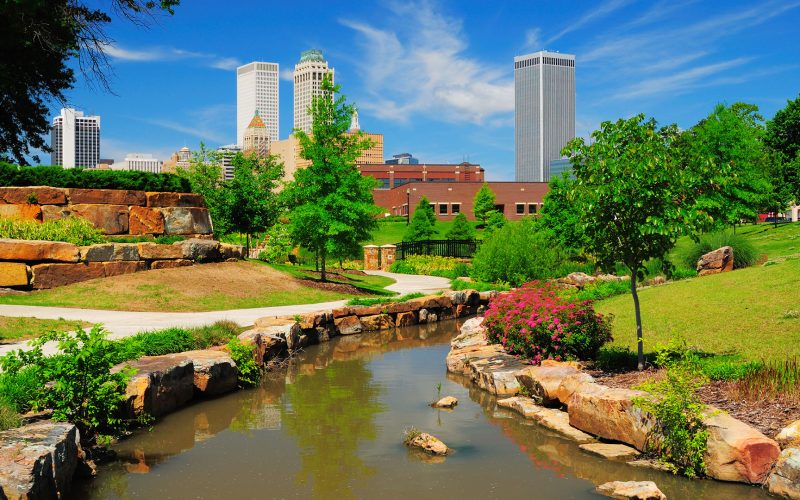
column 114, row 211
column 48, row 264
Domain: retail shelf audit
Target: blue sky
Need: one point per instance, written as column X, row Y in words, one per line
column 436, row 77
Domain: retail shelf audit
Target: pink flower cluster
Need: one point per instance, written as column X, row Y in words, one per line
column 536, row 322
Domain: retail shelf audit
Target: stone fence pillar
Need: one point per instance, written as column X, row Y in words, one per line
column 370, row 258
column 387, row 256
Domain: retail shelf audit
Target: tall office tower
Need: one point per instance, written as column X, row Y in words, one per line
column 75, row 139
column 308, row 75
column 256, row 138
column 544, row 108
column 226, row 154
column 257, row 90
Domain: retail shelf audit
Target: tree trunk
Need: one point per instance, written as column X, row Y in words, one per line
column 322, row 273
column 316, row 261
column 247, row 245
column 639, row 345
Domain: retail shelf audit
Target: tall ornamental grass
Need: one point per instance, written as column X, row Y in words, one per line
column 70, row 229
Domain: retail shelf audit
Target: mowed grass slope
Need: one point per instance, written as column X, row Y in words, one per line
column 754, row 312
column 18, row 329
column 207, row 287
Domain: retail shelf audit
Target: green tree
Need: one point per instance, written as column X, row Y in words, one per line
column 331, row 204
column 39, row 39
column 783, row 138
column 205, row 176
column 731, row 136
column 251, row 198
column 461, row 228
column 422, row 222
column 483, row 203
column 635, row 196
column 561, row 216
column 494, row 220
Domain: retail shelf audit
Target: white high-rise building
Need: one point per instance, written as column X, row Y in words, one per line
column 544, row 108
column 308, row 75
column 226, row 154
column 140, row 162
column 257, row 92
column 75, row 139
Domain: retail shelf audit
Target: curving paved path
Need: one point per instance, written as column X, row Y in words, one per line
column 124, row 323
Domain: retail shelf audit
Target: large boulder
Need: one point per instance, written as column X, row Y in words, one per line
column 14, row 274
column 736, row 451
column 789, row 436
column 551, row 384
column 186, row 220
column 784, row 480
column 156, row 251
column 143, row 220
column 199, row 249
column 174, row 200
column 717, row 261
column 550, row 418
column 458, row 360
column 284, row 329
column 632, row 490
column 106, row 252
column 348, row 325
column 171, row 264
column 378, row 322
column 53, row 275
column 32, row 212
column 215, row 372
column 610, row 414
column 472, row 333
column 577, row 279
column 111, row 219
column 38, row 460
column 36, row 250
column 42, row 195
column 159, row 385
column 406, row 319
column 106, row 197
column 496, row 373
column 427, row 443
column 266, row 347
column 228, row 251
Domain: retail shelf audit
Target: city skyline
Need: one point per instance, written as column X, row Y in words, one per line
column 444, row 91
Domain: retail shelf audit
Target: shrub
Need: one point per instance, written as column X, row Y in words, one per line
column 9, row 418
column 358, row 301
column 278, row 245
column 536, row 322
column 763, row 381
column 603, row 289
column 172, row 340
column 431, row 265
column 242, row 354
column 681, row 438
column 517, row 253
column 744, row 253
column 82, row 388
column 461, row 229
column 14, row 175
column 478, row 285
column 70, row 229
column 616, row 359
column 21, row 389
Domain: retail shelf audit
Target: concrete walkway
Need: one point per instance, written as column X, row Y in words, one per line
column 125, row 323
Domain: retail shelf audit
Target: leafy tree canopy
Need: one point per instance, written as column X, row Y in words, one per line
column 483, row 203
column 38, row 39
column 331, row 205
column 461, row 228
column 421, row 227
column 783, row 138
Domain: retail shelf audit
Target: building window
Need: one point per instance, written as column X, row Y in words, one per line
column 442, row 208
column 433, row 207
column 531, row 208
column 455, row 208
column 520, row 209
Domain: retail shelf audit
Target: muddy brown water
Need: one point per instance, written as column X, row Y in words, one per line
column 331, row 425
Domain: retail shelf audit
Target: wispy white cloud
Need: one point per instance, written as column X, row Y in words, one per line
column 428, row 73
column 598, row 12
column 164, row 54
column 681, row 81
column 533, row 39
column 287, row 75
column 202, row 124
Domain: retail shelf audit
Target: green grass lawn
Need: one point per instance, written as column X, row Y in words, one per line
column 14, row 329
column 754, row 312
column 368, row 283
column 766, row 238
column 392, row 232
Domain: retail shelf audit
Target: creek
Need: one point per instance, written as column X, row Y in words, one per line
column 330, row 425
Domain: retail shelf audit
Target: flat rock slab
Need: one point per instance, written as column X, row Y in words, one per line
column 736, row 451
column 38, row 460
column 649, row 463
column 784, row 480
column 53, row 275
column 553, row 419
column 496, row 374
column 789, row 436
column 349, row 325
column 156, row 251
column 174, row 200
column 610, row 414
column 611, row 451
column 143, row 220
column 215, row 372
column 632, row 490
column 37, row 250
column 266, row 345
column 160, row 385
column 43, row 195
column 551, row 384
column 446, row 402
column 106, row 196
column 14, row 274
column 472, row 333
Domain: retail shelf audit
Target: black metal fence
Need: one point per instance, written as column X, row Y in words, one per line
column 463, row 249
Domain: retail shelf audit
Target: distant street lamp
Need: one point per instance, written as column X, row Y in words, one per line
column 408, row 206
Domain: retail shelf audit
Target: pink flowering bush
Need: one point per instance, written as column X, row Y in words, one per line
column 534, row 321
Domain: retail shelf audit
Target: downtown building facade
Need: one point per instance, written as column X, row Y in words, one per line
column 139, row 162
column 544, row 112
column 257, row 93
column 75, row 139
column 308, row 75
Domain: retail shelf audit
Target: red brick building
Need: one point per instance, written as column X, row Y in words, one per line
column 391, row 176
column 514, row 199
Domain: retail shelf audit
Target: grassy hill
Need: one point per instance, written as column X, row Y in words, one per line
column 392, row 232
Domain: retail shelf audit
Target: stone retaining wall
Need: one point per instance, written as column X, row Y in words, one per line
column 114, row 211
column 736, row 451
column 38, row 265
